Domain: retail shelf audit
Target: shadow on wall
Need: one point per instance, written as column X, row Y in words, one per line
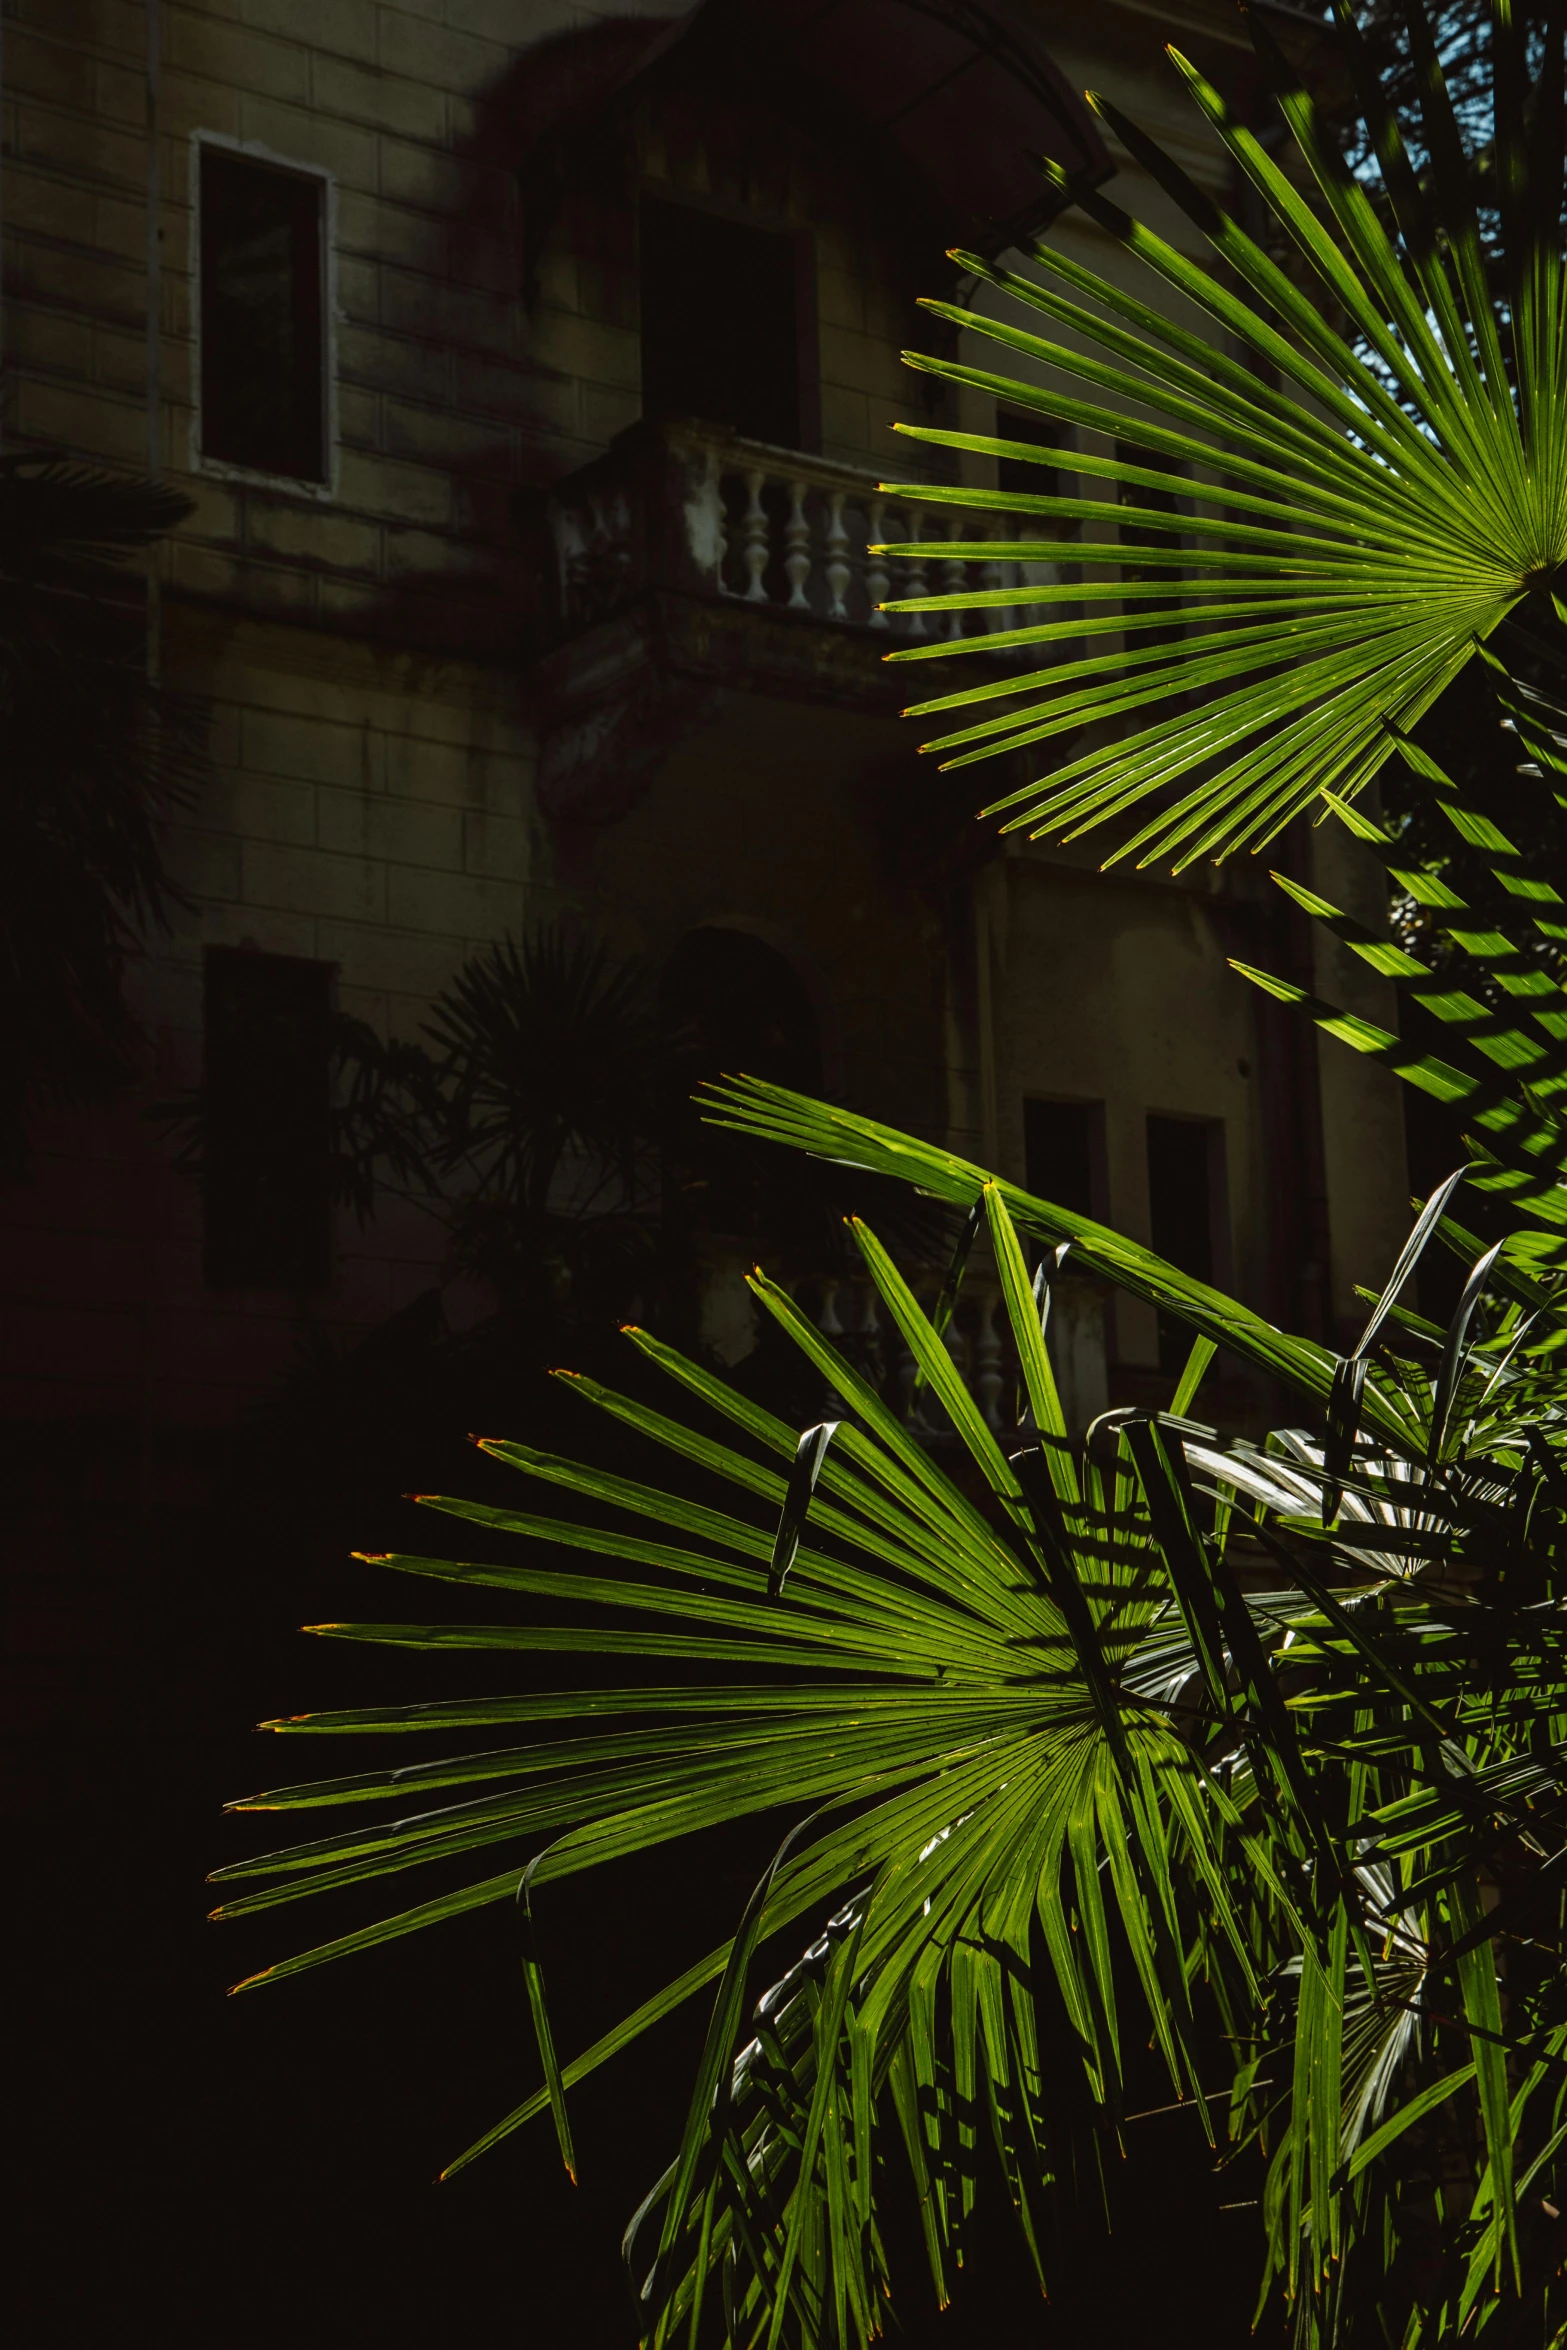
column 550, row 172
column 510, row 422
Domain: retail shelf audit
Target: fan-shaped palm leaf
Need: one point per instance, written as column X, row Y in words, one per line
column 1033, row 1717
column 1276, row 1733
column 1377, row 455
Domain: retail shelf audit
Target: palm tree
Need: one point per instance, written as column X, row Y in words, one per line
column 522, row 1122
column 1159, row 1733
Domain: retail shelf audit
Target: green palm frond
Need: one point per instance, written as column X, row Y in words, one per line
column 1051, row 1750
column 1375, row 448
column 1503, row 1063
column 1054, row 1746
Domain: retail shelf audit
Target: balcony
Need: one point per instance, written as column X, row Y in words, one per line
column 847, row 1309
column 686, row 563
column 851, row 1316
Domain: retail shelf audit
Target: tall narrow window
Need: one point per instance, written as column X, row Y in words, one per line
column 1041, row 478
column 265, row 1130
column 1185, row 1191
column 730, row 1001
column 1161, row 500
column 720, row 322
column 1063, row 1154
column 263, row 317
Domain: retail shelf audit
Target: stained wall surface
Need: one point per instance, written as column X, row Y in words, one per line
column 365, row 652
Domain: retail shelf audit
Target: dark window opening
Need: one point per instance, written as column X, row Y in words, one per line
column 1144, row 534
column 265, row 1132
column 1063, row 1155
column 1041, row 479
column 720, row 322
column 729, row 1004
column 1185, row 1175
column 263, row 340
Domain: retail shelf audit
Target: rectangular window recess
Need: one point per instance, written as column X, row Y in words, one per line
column 1064, row 1155
column 265, row 1121
column 1044, row 478
column 263, row 375
column 722, row 314
column 1174, row 501
column 1187, row 1211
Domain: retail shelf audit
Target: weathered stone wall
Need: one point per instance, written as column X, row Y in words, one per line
column 371, row 801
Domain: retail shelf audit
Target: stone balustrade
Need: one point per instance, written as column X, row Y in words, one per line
column 849, row 1312
column 805, row 536
column 686, row 506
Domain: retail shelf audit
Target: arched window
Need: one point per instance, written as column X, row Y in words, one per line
column 730, row 1004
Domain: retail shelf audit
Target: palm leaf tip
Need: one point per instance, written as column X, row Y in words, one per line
column 247, row 1982
column 1199, row 1734
column 1054, row 1817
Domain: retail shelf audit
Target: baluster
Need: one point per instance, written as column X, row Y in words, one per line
column 1023, row 576
column 731, row 521
column 988, row 1378
column 571, row 550
column 915, row 623
column 872, row 1361
column 703, row 518
column 831, row 1328
column 954, row 577
column 877, row 578
column 907, row 1404
column 756, row 549
column 797, row 538
column 837, row 558
column 955, row 1338
column 848, row 1310
column 993, row 577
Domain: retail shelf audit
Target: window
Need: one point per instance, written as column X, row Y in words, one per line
column 1064, row 1154
column 728, row 1001
column 263, row 390
column 1146, row 534
column 265, row 1136
column 1185, row 1191
column 721, row 322
column 1041, row 479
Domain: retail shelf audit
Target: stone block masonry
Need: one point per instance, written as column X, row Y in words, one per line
column 361, row 643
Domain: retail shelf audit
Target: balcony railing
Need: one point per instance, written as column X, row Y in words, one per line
column 847, row 1309
column 685, row 506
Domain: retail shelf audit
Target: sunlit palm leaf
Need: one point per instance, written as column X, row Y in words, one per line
column 1372, row 501
column 1002, row 1771
column 1159, row 1732
column 1507, row 1070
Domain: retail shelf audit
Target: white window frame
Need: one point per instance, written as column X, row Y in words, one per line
column 219, row 468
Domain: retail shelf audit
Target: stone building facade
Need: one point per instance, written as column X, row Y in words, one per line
column 502, row 637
